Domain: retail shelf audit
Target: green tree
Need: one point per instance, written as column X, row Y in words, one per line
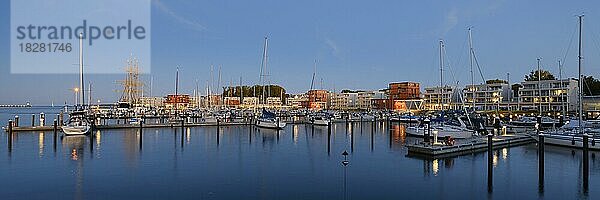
column 493, row 81
column 254, row 91
column 591, row 86
column 545, row 75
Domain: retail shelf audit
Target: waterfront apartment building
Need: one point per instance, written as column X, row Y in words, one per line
column 151, row 101
column 180, row 101
column 295, row 101
column 364, row 98
column 404, row 90
column 441, row 98
column 274, row 101
column 555, row 95
column 249, row 102
column 317, row 99
column 492, row 96
column 232, row 101
column 400, row 91
column 380, row 100
column 360, row 100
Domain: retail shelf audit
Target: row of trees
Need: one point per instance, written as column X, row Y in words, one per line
column 254, row 91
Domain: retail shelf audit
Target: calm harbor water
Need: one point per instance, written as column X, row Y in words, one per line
column 242, row 162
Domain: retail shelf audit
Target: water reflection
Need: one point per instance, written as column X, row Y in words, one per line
column 41, row 144
column 435, row 167
column 297, row 160
column 75, row 145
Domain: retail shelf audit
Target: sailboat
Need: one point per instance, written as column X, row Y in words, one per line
column 459, row 131
column 78, row 124
column 571, row 134
column 267, row 119
column 454, row 129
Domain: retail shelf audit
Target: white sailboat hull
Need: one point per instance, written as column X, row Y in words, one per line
column 270, row 124
column 76, row 130
column 321, row 122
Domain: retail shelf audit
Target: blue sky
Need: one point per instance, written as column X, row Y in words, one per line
column 358, row 44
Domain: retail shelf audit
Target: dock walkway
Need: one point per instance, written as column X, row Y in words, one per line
column 467, row 146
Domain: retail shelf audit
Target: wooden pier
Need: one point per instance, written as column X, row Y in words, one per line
column 467, row 146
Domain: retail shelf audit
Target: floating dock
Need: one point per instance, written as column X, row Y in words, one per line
column 467, row 146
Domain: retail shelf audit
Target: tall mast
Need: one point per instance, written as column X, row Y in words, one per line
column 197, row 95
column 263, row 68
column 219, row 89
column 539, row 85
column 312, row 82
column 562, row 101
column 471, row 70
column 208, row 94
column 441, row 75
column 241, row 91
column 81, row 87
column 176, row 89
column 580, row 58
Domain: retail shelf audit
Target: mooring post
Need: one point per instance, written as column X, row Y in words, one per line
column 586, row 162
column 490, row 162
column 182, row 131
column 16, row 120
column 352, row 140
column 42, row 119
column 541, row 161
column 61, row 118
column 10, row 132
column 277, row 128
column 141, row 131
column 328, row 137
column 539, row 124
column 55, row 129
column 32, row 120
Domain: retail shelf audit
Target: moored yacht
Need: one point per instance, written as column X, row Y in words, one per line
column 320, row 119
column 78, row 124
column 443, row 130
column 269, row 120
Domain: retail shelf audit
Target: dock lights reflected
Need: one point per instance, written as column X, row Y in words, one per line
column 74, row 155
column 436, row 167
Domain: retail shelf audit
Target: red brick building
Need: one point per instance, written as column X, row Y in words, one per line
column 181, row 100
column 403, row 91
column 317, row 99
